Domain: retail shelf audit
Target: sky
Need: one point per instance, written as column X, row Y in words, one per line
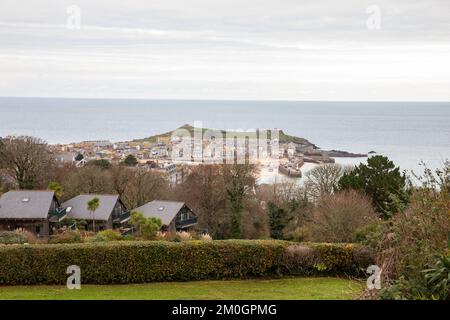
column 377, row 50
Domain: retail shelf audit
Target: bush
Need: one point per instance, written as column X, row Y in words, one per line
column 338, row 216
column 69, row 236
column 29, row 236
column 324, row 258
column 147, row 227
column 147, row 261
column 205, row 237
column 12, row 237
column 110, row 235
column 183, row 236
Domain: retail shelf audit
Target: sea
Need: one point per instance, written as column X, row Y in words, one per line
column 409, row 133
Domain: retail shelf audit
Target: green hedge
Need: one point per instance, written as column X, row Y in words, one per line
column 147, row 261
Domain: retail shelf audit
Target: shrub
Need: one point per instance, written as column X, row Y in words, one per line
column 69, row 236
column 147, row 227
column 184, row 236
column 110, row 235
column 161, row 236
column 299, row 259
column 29, row 236
column 147, row 261
column 323, row 258
column 12, row 237
column 338, row 216
column 128, row 237
column 205, row 237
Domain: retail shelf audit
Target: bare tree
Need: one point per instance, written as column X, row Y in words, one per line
column 145, row 186
column 27, row 160
column 322, row 180
column 207, row 197
column 338, row 216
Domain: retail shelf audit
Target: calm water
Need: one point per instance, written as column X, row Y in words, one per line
column 406, row 132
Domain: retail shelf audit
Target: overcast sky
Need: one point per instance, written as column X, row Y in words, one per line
column 227, row 49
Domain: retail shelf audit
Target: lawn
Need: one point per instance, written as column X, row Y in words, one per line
column 285, row 288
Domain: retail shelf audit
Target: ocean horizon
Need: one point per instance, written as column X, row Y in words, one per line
column 407, row 132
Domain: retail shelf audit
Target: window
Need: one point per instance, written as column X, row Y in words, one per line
column 38, row 229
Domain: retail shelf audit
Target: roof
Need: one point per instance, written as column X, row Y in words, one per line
column 165, row 210
column 79, row 206
column 26, row 204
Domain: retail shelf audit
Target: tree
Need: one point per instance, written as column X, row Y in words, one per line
column 381, row 180
column 288, row 209
column 57, row 188
column 323, row 180
column 79, row 157
column 27, row 160
column 207, row 198
column 90, row 179
column 338, row 216
column 130, row 161
column 239, row 181
column 101, row 163
column 278, row 220
column 145, row 186
column 92, row 206
column 147, row 227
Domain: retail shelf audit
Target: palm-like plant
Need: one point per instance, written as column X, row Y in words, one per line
column 92, row 206
column 438, row 278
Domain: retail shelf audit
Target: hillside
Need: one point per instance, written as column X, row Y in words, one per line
column 284, row 138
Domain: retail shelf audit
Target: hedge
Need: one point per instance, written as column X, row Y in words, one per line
column 148, row 261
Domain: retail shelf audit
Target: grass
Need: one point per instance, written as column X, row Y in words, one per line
column 277, row 289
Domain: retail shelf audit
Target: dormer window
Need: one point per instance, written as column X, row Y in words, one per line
column 25, row 200
column 161, row 209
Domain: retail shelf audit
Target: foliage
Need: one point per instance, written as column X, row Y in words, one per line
column 323, row 258
column 278, row 220
column 323, row 180
column 205, row 237
column 101, row 163
column 288, row 210
column 438, row 278
column 27, row 160
column 239, row 181
column 12, row 237
column 110, row 235
column 130, row 161
column 29, row 236
column 338, row 216
column 147, row 227
column 148, row 261
column 92, row 206
column 57, row 188
column 380, row 180
column 79, row 157
column 69, row 236
column 433, row 284
column 183, row 236
column 411, row 241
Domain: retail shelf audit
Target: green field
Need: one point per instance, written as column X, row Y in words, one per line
column 278, row 289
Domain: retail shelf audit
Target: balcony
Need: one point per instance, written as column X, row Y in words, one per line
column 179, row 224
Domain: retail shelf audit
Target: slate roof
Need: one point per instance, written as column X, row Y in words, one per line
column 79, row 206
column 26, row 204
column 165, row 210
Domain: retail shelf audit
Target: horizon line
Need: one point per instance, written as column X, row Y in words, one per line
column 220, row 100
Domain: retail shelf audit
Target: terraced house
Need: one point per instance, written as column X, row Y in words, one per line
column 36, row 211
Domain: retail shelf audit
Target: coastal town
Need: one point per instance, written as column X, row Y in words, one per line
column 167, row 153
